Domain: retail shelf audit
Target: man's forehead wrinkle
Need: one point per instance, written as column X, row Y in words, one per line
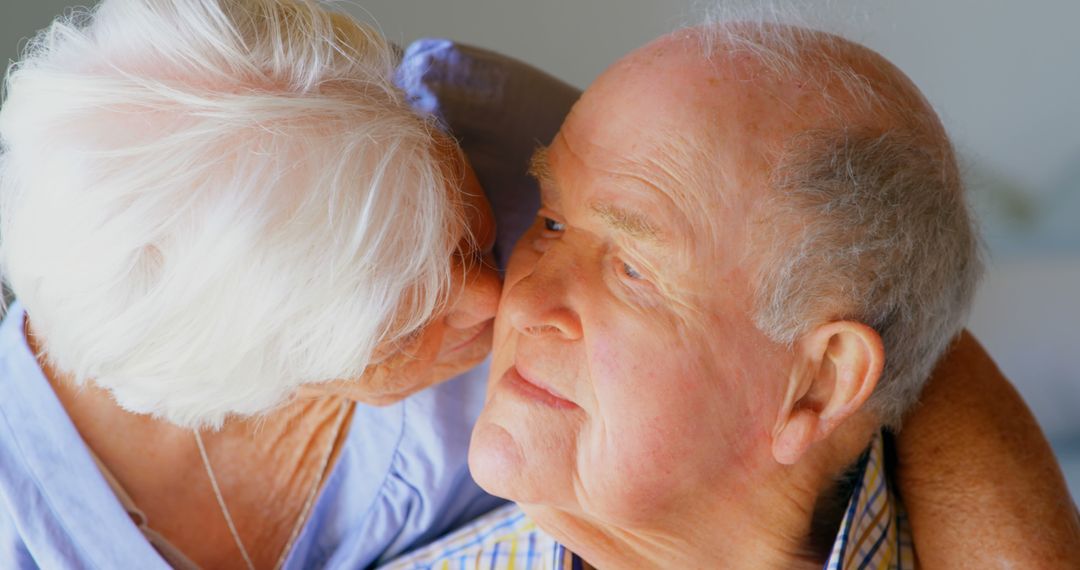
column 701, row 182
column 611, row 165
column 685, row 175
column 709, row 151
column 669, row 157
column 633, row 179
column 620, row 176
column 671, row 165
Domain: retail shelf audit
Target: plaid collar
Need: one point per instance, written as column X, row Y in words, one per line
column 874, row 532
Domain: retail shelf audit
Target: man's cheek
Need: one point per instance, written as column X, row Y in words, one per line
column 636, row 476
column 613, row 366
column 647, row 448
column 621, row 372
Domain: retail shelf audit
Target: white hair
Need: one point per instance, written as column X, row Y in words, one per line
column 206, row 204
column 868, row 216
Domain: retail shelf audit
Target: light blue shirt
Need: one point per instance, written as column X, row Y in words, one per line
column 401, row 479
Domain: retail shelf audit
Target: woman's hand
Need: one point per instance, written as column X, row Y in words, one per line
column 978, row 477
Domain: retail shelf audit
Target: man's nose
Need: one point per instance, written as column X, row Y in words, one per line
column 478, row 298
column 538, row 304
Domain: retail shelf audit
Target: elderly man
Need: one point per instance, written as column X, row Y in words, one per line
column 752, row 249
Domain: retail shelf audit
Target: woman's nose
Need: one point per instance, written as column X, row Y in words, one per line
column 478, row 298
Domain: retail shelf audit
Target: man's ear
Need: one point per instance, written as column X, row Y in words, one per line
column 837, row 366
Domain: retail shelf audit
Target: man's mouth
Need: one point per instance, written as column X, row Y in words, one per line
column 534, row 390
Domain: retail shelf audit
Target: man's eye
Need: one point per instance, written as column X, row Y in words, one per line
column 553, row 226
column 630, row 272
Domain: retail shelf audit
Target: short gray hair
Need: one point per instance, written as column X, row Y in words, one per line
column 869, row 223
column 884, row 237
column 207, row 203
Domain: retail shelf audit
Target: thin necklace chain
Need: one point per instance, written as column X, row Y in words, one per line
column 221, row 502
column 308, row 501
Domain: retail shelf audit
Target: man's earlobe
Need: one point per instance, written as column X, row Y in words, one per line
column 837, row 366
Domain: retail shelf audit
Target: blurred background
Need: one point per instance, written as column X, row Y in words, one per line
column 1004, row 75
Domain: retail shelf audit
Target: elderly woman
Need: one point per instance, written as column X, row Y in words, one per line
column 225, row 226
column 208, row 206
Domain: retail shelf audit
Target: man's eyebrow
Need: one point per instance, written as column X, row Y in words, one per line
column 632, row 223
column 540, row 169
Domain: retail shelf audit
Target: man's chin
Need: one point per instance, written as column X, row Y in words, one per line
column 494, row 458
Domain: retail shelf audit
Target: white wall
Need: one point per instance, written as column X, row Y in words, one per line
column 1028, row 314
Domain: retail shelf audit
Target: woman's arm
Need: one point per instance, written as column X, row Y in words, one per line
column 978, row 477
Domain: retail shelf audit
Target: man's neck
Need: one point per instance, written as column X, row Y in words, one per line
column 788, row 518
column 829, row 511
column 756, row 534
